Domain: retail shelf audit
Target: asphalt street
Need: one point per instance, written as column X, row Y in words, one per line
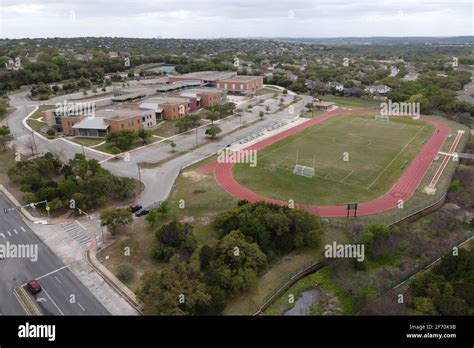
column 63, row 293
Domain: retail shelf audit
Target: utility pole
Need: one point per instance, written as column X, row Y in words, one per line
column 196, row 136
column 34, row 141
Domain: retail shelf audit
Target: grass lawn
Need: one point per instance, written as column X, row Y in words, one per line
column 351, row 102
column 87, row 141
column 376, row 150
column 203, row 200
column 108, row 147
column 268, row 90
column 37, row 125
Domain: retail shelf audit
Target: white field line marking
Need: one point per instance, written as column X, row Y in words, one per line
column 54, row 303
column 48, row 274
column 398, row 154
column 348, row 175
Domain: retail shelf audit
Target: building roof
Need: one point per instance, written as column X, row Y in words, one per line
column 208, row 75
column 168, row 100
column 241, row 78
column 91, row 123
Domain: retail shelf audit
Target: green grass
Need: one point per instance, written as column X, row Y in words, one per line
column 351, row 102
column 108, row 147
column 376, row 150
column 36, row 125
column 87, row 141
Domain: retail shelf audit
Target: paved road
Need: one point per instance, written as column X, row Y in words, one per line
column 59, row 284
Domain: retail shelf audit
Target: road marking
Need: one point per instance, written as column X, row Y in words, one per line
column 1, row 234
column 80, row 306
column 9, row 233
column 48, row 274
column 57, row 279
column 54, row 303
column 23, row 229
column 16, row 232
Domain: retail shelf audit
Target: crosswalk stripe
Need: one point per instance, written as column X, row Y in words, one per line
column 23, row 229
column 14, row 230
column 1, row 234
column 9, row 233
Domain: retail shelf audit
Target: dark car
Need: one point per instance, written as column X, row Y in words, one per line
column 142, row 212
column 135, row 207
column 34, row 286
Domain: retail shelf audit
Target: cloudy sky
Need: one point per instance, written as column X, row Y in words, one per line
column 235, row 18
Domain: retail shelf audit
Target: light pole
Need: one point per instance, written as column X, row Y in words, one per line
column 196, row 136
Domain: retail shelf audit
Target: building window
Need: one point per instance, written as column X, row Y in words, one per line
column 233, row 86
column 241, row 86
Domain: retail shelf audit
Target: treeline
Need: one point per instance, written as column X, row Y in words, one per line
column 79, row 183
column 250, row 236
column 434, row 93
column 448, row 289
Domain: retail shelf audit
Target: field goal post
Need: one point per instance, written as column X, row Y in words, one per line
column 301, row 170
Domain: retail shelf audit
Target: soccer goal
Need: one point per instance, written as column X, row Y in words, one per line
column 382, row 117
column 305, row 171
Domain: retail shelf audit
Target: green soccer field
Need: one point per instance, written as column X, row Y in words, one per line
column 355, row 157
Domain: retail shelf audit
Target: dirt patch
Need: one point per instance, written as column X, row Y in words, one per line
column 194, row 176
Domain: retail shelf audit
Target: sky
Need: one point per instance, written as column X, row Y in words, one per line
column 235, row 18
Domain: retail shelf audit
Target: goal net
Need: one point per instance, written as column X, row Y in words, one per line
column 382, row 117
column 305, row 171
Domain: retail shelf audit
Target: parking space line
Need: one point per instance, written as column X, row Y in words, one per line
column 57, row 279
column 48, row 274
column 80, row 306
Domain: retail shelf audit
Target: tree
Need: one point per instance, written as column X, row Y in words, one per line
column 50, row 132
column 115, row 218
column 177, row 290
column 212, row 116
column 122, row 139
column 232, row 263
column 173, row 146
column 144, row 134
column 183, row 124
column 4, row 135
column 213, row 132
column 173, row 237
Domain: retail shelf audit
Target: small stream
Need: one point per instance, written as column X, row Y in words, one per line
column 305, row 301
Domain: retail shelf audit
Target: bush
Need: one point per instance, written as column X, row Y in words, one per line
column 125, row 272
column 44, row 97
column 50, row 132
column 455, row 185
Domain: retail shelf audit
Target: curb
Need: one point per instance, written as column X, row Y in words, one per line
column 17, row 204
column 112, row 280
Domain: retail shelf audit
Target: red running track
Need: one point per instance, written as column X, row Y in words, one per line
column 403, row 189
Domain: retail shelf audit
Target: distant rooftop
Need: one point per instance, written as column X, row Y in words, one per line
column 91, row 123
column 208, row 75
column 241, row 78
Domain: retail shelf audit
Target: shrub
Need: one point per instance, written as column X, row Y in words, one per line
column 125, row 272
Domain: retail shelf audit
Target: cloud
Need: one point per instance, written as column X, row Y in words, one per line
column 221, row 18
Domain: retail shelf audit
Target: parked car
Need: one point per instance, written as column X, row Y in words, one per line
column 142, row 212
column 135, row 207
column 34, row 286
